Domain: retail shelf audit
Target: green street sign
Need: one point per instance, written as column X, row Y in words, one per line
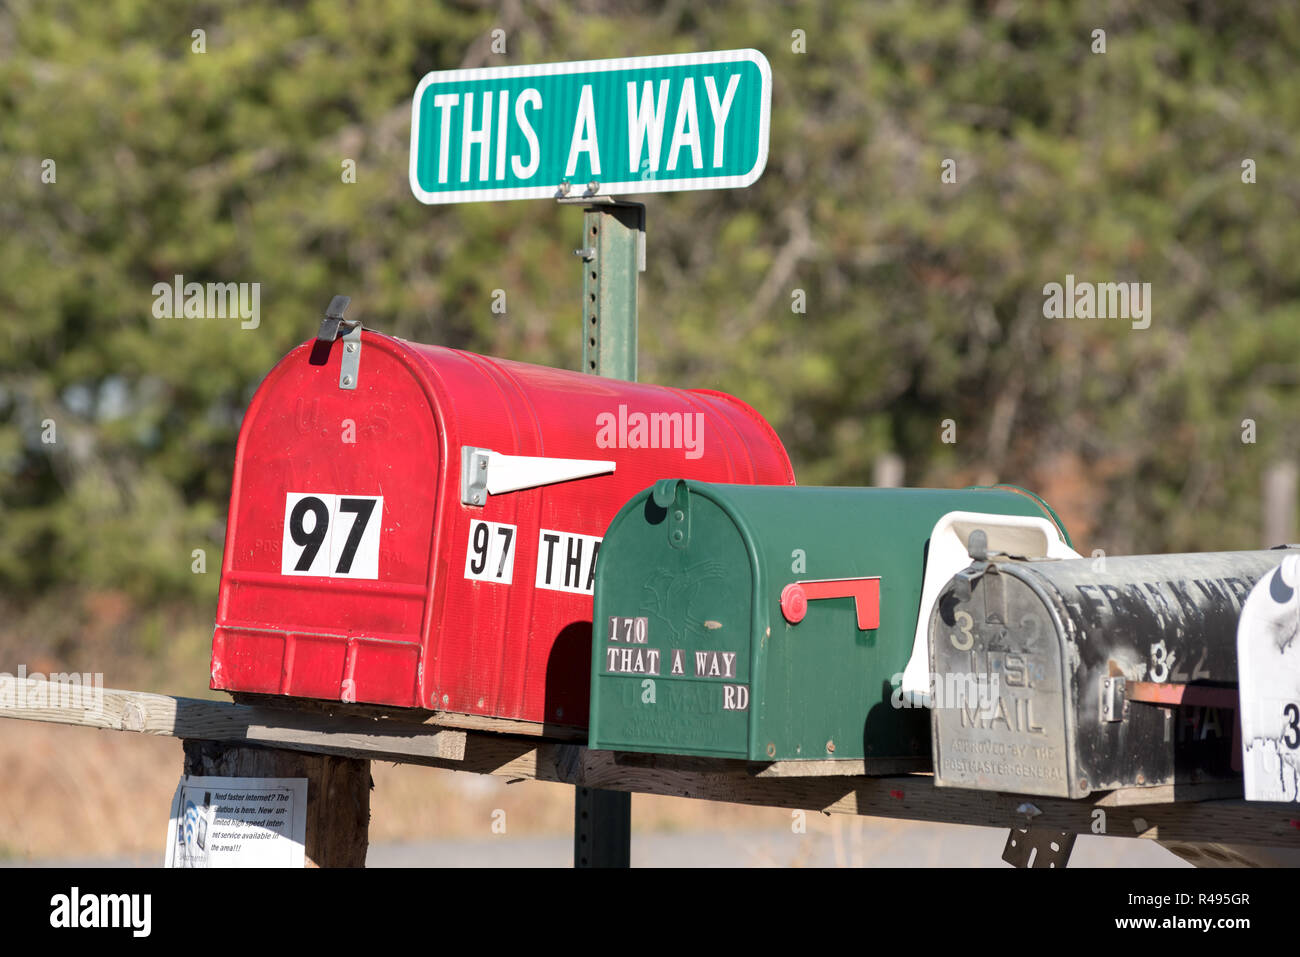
column 600, row 127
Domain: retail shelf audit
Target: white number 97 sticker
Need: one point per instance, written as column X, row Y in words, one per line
column 335, row 536
column 490, row 554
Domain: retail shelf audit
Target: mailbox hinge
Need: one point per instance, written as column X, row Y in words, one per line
column 1114, row 703
column 473, row 475
column 673, row 495
column 330, row 328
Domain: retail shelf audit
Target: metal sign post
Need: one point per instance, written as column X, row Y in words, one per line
column 613, row 254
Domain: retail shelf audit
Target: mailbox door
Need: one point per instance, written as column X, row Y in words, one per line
column 672, row 664
column 325, row 577
column 1002, row 700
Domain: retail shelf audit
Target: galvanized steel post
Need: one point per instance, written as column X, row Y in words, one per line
column 613, row 256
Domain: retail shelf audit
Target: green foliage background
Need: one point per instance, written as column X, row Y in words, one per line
column 924, row 299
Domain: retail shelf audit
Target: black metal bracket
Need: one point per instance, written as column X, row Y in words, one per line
column 333, row 321
column 1038, row 847
column 335, row 326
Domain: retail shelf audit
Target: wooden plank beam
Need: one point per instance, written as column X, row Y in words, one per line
column 442, row 719
column 203, row 720
column 1194, row 814
column 1200, row 813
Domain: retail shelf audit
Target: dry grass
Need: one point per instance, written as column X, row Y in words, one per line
column 68, row 792
column 75, row 792
column 412, row 802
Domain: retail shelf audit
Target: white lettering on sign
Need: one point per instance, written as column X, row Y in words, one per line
column 471, row 137
column 444, row 103
column 488, row 139
column 566, row 561
column 686, row 129
column 645, row 123
column 677, row 662
column 715, row 664
column 490, row 552
column 529, row 99
column 584, row 135
column 333, row 536
column 485, row 131
column 735, row 698
column 647, row 113
column 632, row 661
column 720, row 111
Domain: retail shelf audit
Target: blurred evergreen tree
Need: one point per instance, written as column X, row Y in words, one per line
column 922, row 298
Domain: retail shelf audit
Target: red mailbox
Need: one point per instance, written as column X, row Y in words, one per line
column 417, row 526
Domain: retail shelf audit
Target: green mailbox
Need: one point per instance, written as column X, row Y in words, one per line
column 773, row 623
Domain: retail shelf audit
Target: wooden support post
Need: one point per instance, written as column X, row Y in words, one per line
column 338, row 793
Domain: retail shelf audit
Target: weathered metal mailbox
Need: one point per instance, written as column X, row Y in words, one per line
column 1063, row 678
column 417, row 526
column 767, row 624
